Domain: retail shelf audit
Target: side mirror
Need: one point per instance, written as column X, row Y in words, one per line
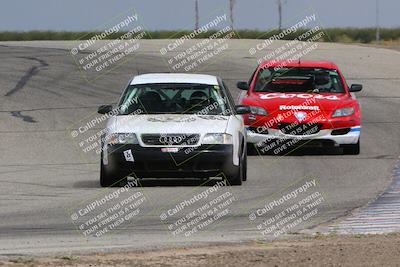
column 240, row 109
column 356, row 88
column 243, row 86
column 104, row 109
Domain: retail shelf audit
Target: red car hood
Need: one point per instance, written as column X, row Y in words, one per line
column 301, row 108
column 274, row 102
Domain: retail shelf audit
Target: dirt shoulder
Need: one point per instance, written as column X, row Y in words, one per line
column 387, row 45
column 372, row 250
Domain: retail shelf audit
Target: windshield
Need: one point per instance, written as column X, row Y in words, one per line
column 176, row 98
column 301, row 80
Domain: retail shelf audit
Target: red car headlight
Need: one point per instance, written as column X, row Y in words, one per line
column 343, row 112
column 258, row 111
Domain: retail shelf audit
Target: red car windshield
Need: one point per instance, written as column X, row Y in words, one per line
column 299, row 80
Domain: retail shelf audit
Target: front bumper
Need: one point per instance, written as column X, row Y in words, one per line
column 351, row 137
column 151, row 162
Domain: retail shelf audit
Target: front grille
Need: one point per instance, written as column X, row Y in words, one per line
column 341, row 131
column 300, row 128
column 170, row 139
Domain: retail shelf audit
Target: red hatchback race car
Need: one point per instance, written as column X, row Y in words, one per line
column 305, row 103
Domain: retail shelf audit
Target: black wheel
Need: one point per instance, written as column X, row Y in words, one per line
column 105, row 180
column 244, row 176
column 251, row 149
column 109, row 178
column 353, row 149
column 237, row 177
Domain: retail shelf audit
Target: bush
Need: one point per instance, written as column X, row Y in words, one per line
column 344, row 35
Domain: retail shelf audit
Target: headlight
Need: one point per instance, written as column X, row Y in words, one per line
column 122, row 138
column 258, row 111
column 343, row 112
column 217, row 139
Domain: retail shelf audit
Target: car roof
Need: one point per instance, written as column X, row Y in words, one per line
column 174, row 78
column 296, row 63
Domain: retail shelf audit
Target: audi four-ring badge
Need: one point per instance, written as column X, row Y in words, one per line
column 174, row 126
column 301, row 103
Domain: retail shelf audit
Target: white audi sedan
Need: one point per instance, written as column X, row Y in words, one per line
column 174, row 126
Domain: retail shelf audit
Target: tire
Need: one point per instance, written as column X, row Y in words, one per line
column 109, row 178
column 353, row 149
column 251, row 149
column 237, row 178
column 105, row 180
column 244, row 175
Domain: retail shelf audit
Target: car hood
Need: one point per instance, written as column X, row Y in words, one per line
column 281, row 101
column 168, row 123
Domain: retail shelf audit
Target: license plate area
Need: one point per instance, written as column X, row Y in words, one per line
column 169, row 149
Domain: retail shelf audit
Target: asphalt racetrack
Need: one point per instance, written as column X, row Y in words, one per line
column 45, row 176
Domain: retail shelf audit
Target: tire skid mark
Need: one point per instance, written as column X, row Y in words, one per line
column 22, row 82
column 28, row 75
column 25, row 118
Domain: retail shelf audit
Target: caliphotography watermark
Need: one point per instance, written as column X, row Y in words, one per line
column 296, row 207
column 199, row 211
column 183, row 147
column 90, row 135
column 191, row 53
column 109, row 211
column 105, row 49
column 281, row 133
column 308, row 33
